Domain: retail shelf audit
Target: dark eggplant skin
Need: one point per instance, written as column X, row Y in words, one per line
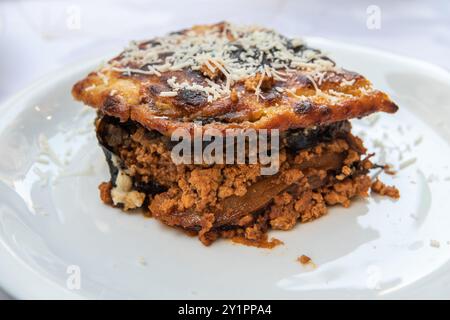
column 113, row 170
column 149, row 188
column 297, row 140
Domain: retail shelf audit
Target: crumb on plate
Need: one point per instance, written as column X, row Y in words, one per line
column 385, row 190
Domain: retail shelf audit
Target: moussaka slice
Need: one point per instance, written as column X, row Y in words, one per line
column 231, row 81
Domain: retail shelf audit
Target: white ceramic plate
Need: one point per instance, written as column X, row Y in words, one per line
column 51, row 217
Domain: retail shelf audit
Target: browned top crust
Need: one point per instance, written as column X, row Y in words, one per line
column 228, row 77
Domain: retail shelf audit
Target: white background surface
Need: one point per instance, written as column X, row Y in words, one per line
column 37, row 37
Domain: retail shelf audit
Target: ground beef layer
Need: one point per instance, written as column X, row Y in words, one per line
column 233, row 201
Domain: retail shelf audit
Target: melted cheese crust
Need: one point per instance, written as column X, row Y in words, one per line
column 289, row 86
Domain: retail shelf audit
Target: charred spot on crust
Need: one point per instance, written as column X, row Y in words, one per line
column 149, row 43
column 296, row 48
column 271, row 96
column 191, row 98
column 113, row 105
column 304, row 81
column 324, row 111
column 345, row 75
column 329, row 59
column 236, row 53
column 156, row 89
column 303, row 107
column 324, row 58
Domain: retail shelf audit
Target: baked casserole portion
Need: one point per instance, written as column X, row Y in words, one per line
column 223, row 77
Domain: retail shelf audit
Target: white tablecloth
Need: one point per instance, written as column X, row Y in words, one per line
column 37, row 37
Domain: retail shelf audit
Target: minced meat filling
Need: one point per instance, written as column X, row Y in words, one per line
column 232, row 200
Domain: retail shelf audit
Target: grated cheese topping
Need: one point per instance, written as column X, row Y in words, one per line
column 235, row 53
